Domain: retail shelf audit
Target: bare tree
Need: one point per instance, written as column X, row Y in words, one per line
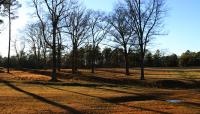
column 20, row 53
column 146, row 16
column 34, row 37
column 77, row 26
column 122, row 32
column 56, row 10
column 10, row 7
column 98, row 30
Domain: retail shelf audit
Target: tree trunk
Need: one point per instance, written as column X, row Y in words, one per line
column 39, row 58
column 54, row 78
column 92, row 66
column 126, row 60
column 59, row 58
column 127, row 63
column 74, row 60
column 35, row 57
column 93, row 59
column 59, row 49
column 8, row 64
column 45, row 58
column 142, row 64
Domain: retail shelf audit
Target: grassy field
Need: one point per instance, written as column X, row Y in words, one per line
column 108, row 91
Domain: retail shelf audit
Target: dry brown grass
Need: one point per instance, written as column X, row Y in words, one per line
column 24, row 92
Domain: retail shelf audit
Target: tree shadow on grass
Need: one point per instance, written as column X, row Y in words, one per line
column 192, row 104
column 43, row 99
column 161, row 83
column 122, row 99
column 63, row 83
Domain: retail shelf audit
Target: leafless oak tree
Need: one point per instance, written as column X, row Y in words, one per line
column 34, row 37
column 20, row 53
column 146, row 20
column 77, row 26
column 98, row 32
column 121, row 32
column 56, row 11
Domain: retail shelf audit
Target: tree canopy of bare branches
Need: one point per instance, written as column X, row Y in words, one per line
column 121, row 32
column 56, row 10
column 98, row 31
column 77, row 27
column 34, row 37
column 146, row 21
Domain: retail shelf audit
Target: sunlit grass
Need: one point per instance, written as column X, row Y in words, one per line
column 22, row 92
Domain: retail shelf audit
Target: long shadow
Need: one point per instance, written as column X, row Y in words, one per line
column 172, row 84
column 114, row 71
column 142, row 98
column 193, row 104
column 122, row 99
column 118, row 100
column 155, row 96
column 91, row 78
column 67, row 108
column 136, row 73
column 178, row 84
column 63, row 83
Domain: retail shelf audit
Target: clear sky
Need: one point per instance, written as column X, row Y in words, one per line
column 182, row 24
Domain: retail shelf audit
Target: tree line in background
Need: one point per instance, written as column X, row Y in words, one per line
column 67, row 26
column 107, row 58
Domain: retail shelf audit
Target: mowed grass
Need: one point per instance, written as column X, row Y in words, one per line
column 105, row 92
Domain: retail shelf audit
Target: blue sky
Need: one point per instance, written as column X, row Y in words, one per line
column 103, row 5
column 182, row 24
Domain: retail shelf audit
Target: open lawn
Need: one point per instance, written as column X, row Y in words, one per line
column 109, row 91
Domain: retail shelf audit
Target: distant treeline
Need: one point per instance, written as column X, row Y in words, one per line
column 106, row 58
